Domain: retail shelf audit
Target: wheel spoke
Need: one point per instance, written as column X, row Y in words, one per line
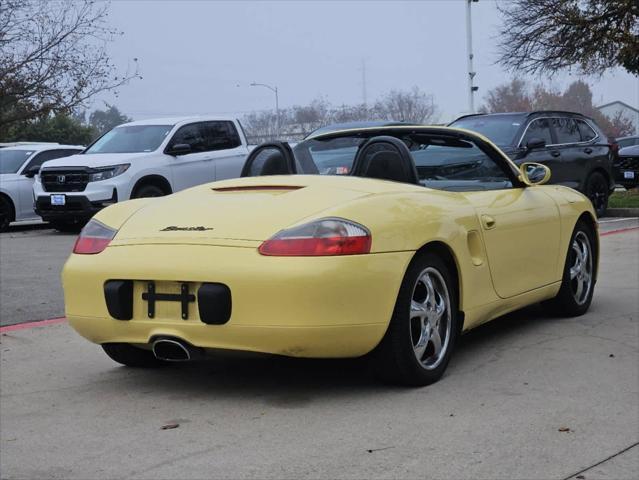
column 422, row 343
column 574, row 271
column 428, row 282
column 580, row 289
column 417, row 310
column 436, row 339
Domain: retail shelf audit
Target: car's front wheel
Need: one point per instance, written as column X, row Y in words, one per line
column 131, row 356
column 597, row 190
column 423, row 330
column 578, row 281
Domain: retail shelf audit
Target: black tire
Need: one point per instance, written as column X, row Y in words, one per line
column 598, row 191
column 66, row 226
column 395, row 358
column 6, row 213
column 567, row 303
column 146, row 191
column 131, row 356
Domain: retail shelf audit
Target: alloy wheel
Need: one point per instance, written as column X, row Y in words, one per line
column 581, row 267
column 430, row 318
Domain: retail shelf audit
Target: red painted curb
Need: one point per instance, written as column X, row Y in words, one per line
column 37, row 323
column 621, row 230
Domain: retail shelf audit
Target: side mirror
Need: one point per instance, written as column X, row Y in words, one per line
column 179, row 149
column 534, row 173
column 535, row 142
column 31, row 171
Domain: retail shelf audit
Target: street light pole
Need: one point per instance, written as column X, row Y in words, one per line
column 469, row 47
column 277, row 104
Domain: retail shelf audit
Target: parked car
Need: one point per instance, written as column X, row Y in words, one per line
column 627, row 141
column 572, row 145
column 19, row 164
column 627, row 167
column 423, row 233
column 148, row 158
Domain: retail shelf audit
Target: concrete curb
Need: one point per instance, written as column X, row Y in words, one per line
column 622, row 212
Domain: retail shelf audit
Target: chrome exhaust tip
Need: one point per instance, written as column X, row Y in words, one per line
column 170, row 350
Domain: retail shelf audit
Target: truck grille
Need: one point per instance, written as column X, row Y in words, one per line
column 628, row 163
column 67, row 180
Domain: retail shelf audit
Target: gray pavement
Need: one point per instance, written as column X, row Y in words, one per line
column 67, row 411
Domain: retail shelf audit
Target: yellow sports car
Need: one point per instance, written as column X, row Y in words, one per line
column 388, row 240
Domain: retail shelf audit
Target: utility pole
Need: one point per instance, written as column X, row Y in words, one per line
column 469, row 47
column 364, row 99
column 277, row 104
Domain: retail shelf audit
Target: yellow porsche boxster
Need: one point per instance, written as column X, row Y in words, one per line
column 388, row 241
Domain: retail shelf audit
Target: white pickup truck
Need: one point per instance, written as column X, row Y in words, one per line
column 147, row 158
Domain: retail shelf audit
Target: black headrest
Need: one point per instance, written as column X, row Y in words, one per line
column 386, row 158
column 274, row 158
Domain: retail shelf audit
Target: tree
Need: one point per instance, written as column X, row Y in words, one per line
column 104, row 120
column 510, row 97
column 58, row 128
column 413, row 106
column 589, row 35
column 518, row 96
column 53, row 58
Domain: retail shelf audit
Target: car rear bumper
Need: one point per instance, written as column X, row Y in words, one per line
column 627, row 171
column 294, row 306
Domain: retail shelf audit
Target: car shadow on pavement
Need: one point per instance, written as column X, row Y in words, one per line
column 299, row 380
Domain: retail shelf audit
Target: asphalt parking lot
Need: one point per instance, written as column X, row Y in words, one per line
column 527, row 396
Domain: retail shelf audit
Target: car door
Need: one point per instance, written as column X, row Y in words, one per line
column 520, row 227
column 570, row 164
column 540, row 129
column 228, row 152
column 194, row 166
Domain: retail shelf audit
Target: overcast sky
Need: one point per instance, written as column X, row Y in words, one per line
column 199, row 57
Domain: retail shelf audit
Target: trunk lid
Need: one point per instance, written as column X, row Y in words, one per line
column 242, row 211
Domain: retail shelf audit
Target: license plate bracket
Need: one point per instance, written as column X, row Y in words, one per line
column 184, row 297
column 58, row 199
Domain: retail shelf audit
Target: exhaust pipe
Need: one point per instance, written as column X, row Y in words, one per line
column 171, row 350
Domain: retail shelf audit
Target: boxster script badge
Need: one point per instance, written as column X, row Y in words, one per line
column 173, row 228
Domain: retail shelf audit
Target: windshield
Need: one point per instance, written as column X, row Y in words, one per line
column 12, row 160
column 500, row 129
column 131, row 139
column 442, row 161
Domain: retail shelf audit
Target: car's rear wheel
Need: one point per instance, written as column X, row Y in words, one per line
column 146, row 191
column 131, row 356
column 6, row 213
column 597, row 190
column 578, row 281
column 423, row 330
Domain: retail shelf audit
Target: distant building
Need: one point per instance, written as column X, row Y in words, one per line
column 611, row 109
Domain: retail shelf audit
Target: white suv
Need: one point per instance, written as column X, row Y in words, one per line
column 19, row 163
column 148, row 158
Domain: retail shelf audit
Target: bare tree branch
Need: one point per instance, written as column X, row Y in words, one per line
column 589, row 36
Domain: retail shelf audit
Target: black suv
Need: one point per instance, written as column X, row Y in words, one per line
column 570, row 144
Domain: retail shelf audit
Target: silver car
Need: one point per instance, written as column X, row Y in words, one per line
column 18, row 165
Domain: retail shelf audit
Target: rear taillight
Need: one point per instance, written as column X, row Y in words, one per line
column 328, row 236
column 93, row 238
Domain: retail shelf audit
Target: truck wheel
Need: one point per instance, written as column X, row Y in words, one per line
column 146, row 191
column 597, row 191
column 6, row 213
column 131, row 356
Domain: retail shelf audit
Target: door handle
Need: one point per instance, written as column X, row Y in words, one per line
column 555, row 153
column 588, row 150
column 488, row 221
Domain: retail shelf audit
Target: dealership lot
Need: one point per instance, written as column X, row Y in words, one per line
column 501, row 411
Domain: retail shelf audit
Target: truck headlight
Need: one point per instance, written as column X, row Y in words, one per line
column 104, row 173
